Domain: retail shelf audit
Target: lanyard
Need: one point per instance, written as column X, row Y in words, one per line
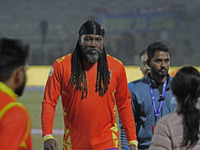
column 157, row 112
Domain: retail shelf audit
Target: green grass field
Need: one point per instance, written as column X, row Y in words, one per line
column 33, row 101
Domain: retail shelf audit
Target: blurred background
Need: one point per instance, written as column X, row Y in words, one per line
column 51, row 26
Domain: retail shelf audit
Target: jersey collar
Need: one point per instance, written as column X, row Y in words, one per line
column 5, row 89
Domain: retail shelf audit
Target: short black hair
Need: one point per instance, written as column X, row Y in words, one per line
column 13, row 53
column 156, row 46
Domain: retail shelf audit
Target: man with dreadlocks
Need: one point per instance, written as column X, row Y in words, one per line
column 89, row 82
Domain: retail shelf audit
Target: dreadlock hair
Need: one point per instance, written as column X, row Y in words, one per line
column 78, row 76
column 186, row 87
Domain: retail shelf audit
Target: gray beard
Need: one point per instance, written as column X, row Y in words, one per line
column 91, row 58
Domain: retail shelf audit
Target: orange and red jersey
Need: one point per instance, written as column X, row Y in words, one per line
column 15, row 124
column 90, row 123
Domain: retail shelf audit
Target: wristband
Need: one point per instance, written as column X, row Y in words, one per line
column 49, row 136
column 134, row 142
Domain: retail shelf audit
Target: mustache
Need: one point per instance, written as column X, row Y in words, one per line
column 163, row 69
column 93, row 49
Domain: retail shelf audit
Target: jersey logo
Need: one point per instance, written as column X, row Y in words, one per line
column 51, row 71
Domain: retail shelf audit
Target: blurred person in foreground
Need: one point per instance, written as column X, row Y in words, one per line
column 181, row 129
column 15, row 124
column 89, row 82
column 144, row 68
column 152, row 96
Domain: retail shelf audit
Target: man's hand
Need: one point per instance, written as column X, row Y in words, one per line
column 50, row 144
column 132, row 147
